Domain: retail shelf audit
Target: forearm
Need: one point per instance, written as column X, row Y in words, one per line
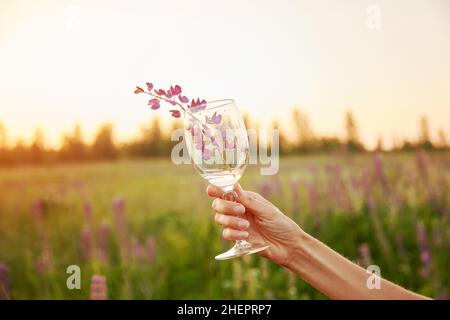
column 336, row 276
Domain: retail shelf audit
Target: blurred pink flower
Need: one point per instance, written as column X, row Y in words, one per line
column 88, row 212
column 206, row 155
column 37, row 209
column 121, row 227
column 137, row 250
column 98, row 289
column 229, row 144
column 103, row 242
column 86, row 242
column 149, row 86
column 44, row 260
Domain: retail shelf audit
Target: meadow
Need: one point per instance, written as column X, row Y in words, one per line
column 146, row 226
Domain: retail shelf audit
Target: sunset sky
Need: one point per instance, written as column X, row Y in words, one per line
column 66, row 62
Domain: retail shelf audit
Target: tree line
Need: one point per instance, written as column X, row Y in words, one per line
column 153, row 141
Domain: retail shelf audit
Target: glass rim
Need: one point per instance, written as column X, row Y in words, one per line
column 215, row 104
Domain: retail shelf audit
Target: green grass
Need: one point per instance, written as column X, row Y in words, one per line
column 168, row 204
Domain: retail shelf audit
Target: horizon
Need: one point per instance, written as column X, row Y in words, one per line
column 167, row 124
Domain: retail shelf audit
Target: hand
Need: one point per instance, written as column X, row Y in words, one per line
column 256, row 220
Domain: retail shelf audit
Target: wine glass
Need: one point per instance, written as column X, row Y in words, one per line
column 217, row 141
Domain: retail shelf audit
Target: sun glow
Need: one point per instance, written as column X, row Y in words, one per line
column 67, row 62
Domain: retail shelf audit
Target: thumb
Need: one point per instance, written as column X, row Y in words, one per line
column 253, row 201
column 239, row 191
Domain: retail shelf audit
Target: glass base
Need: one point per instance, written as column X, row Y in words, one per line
column 242, row 248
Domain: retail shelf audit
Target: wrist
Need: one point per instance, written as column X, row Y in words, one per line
column 297, row 251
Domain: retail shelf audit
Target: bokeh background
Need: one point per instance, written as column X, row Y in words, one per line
column 359, row 90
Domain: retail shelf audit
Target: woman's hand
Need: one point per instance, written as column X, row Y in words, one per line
column 255, row 219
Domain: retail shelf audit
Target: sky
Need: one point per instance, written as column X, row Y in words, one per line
column 64, row 62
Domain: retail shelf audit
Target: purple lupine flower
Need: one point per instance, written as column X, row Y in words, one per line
column 103, row 242
column 88, row 212
column 137, row 250
column 425, row 256
column 151, row 248
column 86, row 242
column 183, row 99
column 229, row 144
column 121, row 227
column 44, row 260
column 5, row 282
column 37, row 209
column 364, row 253
column 154, row 104
column 214, row 119
column 99, row 288
column 206, row 155
column 119, row 211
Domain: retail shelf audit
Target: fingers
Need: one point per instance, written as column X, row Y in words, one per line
column 232, row 222
column 228, row 207
column 217, row 192
column 251, row 200
column 231, row 234
column 214, row 191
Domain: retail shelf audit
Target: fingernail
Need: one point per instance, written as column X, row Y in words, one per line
column 243, row 234
column 243, row 224
column 214, row 203
column 239, row 209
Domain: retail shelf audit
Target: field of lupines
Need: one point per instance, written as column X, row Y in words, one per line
column 144, row 229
